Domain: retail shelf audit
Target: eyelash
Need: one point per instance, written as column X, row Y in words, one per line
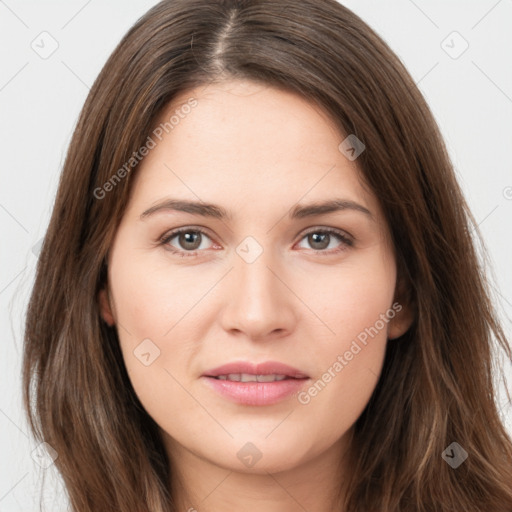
column 167, row 237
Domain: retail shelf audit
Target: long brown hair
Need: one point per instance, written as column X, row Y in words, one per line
column 437, row 385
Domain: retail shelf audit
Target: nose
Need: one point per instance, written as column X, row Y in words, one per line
column 259, row 301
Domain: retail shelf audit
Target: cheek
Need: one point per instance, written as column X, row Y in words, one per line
column 156, row 315
column 357, row 306
column 353, row 297
column 145, row 295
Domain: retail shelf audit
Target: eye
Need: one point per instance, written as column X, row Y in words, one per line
column 322, row 238
column 189, row 240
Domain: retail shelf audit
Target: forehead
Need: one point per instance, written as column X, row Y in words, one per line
column 240, row 143
column 243, row 115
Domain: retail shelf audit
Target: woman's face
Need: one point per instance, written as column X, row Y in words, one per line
column 269, row 280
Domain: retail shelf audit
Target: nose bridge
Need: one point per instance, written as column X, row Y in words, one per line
column 258, row 303
column 255, row 280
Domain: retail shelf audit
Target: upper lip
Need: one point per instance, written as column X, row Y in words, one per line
column 265, row 368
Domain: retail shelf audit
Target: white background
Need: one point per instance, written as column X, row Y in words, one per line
column 40, row 99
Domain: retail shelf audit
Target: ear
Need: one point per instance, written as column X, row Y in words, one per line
column 105, row 308
column 404, row 311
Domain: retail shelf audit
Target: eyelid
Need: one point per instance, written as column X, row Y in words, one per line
column 173, row 232
column 169, row 235
column 327, row 229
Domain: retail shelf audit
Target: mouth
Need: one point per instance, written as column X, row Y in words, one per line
column 244, row 371
column 255, row 384
column 249, row 377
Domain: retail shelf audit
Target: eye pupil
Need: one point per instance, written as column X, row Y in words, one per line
column 319, row 238
column 190, row 237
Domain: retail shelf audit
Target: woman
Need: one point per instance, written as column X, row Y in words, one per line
column 258, row 288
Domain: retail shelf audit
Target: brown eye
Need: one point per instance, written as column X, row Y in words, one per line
column 185, row 240
column 189, row 240
column 321, row 239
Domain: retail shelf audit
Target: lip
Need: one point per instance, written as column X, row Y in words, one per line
column 265, row 368
column 256, row 393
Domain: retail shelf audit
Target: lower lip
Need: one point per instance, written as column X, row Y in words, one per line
column 256, row 393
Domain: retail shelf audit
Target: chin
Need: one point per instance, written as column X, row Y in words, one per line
column 257, row 455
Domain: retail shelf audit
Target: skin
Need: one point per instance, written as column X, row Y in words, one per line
column 256, row 151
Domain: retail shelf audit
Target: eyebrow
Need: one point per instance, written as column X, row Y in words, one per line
column 218, row 212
